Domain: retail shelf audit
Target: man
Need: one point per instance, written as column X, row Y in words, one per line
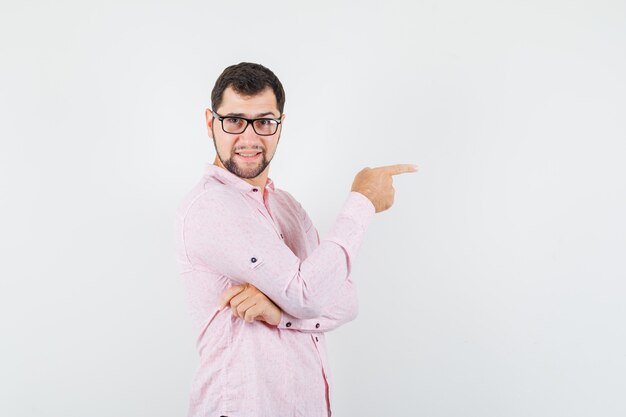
column 251, row 247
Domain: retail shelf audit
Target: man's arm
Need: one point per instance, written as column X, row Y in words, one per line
column 342, row 310
column 227, row 240
column 248, row 303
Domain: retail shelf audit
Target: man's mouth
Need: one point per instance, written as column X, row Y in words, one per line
column 249, row 155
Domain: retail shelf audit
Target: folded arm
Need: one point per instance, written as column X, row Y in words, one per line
column 232, row 242
column 343, row 310
column 248, row 303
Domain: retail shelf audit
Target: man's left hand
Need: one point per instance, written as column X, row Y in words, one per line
column 249, row 304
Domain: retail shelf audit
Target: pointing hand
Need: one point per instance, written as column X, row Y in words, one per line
column 377, row 184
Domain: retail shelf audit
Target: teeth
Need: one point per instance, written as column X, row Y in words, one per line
column 247, row 154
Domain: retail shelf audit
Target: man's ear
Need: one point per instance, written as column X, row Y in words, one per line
column 283, row 117
column 208, row 115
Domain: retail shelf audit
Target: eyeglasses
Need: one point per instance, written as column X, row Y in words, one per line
column 236, row 125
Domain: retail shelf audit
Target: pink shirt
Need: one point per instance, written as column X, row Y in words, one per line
column 228, row 232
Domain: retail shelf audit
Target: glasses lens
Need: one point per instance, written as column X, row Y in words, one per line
column 265, row 126
column 233, row 124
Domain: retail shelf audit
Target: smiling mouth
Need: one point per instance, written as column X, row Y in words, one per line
column 247, row 156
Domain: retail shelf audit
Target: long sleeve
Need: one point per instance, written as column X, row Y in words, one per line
column 228, row 240
column 342, row 310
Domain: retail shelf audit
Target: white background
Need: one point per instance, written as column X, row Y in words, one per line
column 494, row 286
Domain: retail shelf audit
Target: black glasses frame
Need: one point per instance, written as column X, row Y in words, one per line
column 248, row 122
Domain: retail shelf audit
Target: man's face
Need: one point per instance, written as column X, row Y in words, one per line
column 245, row 154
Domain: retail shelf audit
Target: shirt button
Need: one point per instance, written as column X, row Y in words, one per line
column 316, row 339
column 255, row 190
column 253, row 260
column 281, row 236
column 288, row 324
column 317, row 326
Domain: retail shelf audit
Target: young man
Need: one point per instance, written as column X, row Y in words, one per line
column 262, row 286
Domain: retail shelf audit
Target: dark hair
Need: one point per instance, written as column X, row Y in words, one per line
column 247, row 79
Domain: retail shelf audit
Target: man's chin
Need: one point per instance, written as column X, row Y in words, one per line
column 244, row 172
column 248, row 174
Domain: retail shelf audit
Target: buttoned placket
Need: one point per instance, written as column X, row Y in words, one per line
column 262, row 201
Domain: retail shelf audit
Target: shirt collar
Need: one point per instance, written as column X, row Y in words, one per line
column 226, row 177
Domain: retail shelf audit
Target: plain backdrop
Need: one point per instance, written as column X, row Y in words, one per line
column 494, row 287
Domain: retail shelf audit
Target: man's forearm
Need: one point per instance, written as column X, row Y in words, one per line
column 341, row 311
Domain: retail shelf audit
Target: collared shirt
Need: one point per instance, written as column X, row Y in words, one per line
column 231, row 232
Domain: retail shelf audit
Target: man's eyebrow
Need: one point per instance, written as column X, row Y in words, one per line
column 267, row 113
column 258, row 115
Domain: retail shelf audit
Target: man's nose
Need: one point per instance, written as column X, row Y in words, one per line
column 249, row 136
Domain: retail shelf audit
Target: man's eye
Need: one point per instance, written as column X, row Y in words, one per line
column 233, row 120
column 264, row 122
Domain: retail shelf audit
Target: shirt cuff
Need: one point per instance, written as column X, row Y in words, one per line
column 359, row 207
column 289, row 322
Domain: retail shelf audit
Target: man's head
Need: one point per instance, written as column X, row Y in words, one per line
column 246, row 91
column 247, row 79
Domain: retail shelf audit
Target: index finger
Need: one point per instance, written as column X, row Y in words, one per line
column 398, row 168
column 229, row 294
